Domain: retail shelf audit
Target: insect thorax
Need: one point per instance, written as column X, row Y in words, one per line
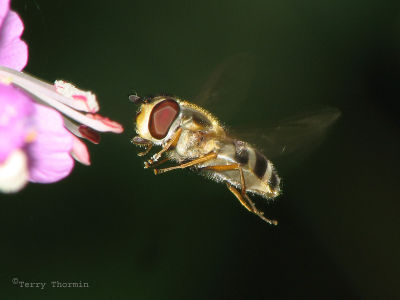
column 194, row 144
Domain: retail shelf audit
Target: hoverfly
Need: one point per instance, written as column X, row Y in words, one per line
column 193, row 138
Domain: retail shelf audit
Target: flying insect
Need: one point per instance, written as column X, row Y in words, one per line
column 192, row 137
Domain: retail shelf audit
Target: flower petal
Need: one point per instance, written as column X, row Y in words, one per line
column 49, row 155
column 15, row 110
column 80, row 152
column 116, row 127
column 46, row 93
column 14, row 172
column 4, row 8
column 13, row 51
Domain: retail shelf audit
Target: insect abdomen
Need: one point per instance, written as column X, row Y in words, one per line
column 266, row 179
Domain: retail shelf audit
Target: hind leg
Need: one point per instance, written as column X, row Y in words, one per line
column 243, row 198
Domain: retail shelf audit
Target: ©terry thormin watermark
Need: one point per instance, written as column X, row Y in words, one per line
column 52, row 284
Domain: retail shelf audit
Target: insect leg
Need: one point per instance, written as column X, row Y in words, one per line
column 137, row 140
column 260, row 213
column 146, row 150
column 155, row 164
column 243, row 198
column 227, row 168
column 250, row 207
column 172, row 142
column 239, row 197
column 253, row 206
column 197, row 161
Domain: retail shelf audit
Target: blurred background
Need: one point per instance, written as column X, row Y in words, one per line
column 133, row 235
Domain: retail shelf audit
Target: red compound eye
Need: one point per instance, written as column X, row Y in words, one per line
column 161, row 118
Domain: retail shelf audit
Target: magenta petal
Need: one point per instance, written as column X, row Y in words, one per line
column 15, row 112
column 4, row 8
column 13, row 51
column 49, row 155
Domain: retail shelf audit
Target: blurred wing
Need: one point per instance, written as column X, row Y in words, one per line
column 224, row 93
column 296, row 135
column 227, row 86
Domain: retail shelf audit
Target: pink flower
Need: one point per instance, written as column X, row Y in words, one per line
column 40, row 123
column 49, row 152
column 15, row 111
column 13, row 51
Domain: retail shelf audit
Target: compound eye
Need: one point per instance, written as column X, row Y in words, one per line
column 161, row 118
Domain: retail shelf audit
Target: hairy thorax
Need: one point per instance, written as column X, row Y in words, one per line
column 194, row 144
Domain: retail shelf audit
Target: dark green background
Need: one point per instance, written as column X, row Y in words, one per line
column 132, row 235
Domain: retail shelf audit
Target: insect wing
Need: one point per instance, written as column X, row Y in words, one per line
column 225, row 91
column 226, row 88
column 294, row 136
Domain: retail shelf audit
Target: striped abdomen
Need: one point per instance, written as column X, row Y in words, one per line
column 261, row 176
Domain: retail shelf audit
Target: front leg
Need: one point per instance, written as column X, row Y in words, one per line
column 137, row 140
column 171, row 143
